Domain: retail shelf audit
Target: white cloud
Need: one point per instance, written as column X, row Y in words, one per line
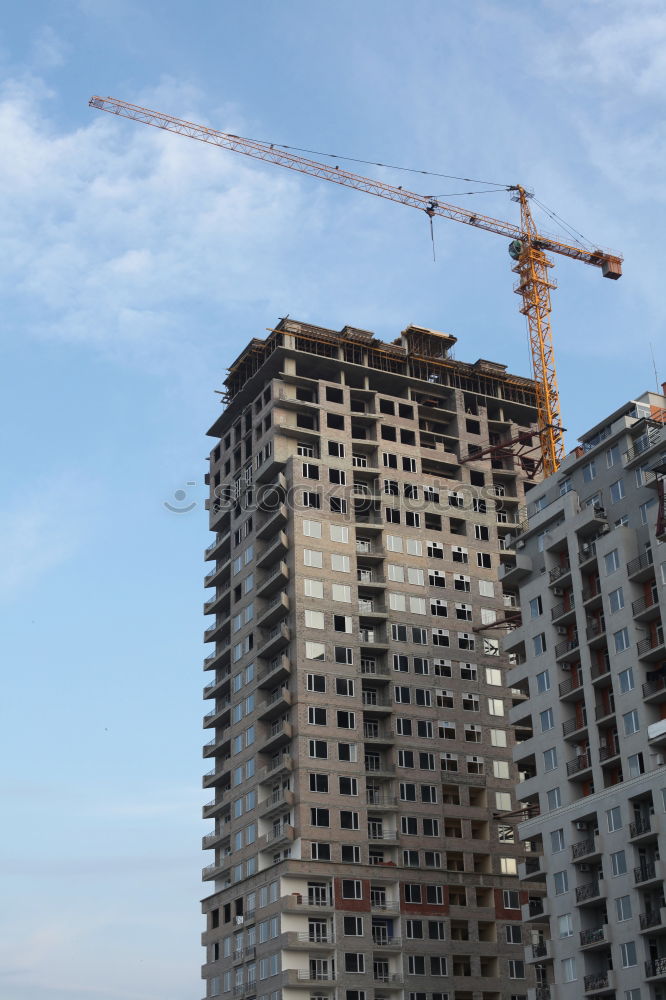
column 114, row 233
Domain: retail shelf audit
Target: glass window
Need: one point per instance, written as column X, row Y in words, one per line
column 623, row 908
column 614, row 818
column 547, row 720
column 630, row 721
column 557, row 842
column 616, row 600
column 561, row 882
column 543, row 681
column 621, row 639
column 628, row 954
column 612, row 561
column 618, row 863
column 565, row 925
column 626, row 679
column 550, row 759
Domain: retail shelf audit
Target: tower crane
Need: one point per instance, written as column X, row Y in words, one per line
column 528, row 248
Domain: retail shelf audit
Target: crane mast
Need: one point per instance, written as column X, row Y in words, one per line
column 528, row 247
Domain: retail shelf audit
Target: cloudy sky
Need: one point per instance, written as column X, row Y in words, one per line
column 136, row 265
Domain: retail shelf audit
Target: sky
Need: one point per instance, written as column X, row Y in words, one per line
column 136, row 266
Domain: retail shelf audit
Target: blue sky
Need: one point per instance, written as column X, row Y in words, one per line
column 137, row 264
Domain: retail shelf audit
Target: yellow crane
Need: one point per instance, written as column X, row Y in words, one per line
column 528, row 248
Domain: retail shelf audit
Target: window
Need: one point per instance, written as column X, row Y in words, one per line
column 543, row 682
column 353, row 926
column 352, row 888
column 554, row 798
column 337, row 477
column 315, row 651
column 438, row 965
column 336, row 450
column 539, row 643
column 313, row 588
column 616, row 600
column 568, row 970
column 412, row 892
column 635, row 765
column 316, row 682
column 340, row 563
column 319, row 817
column 314, row 619
column 318, row 748
column 407, row 791
column 626, row 679
column 320, row 852
column 510, row 899
column 589, row 472
column 631, row 723
column 617, row 491
column 536, row 607
column 612, row 562
column 561, row 882
column 342, row 623
column 312, row 500
column 483, row 559
column 565, row 925
column 628, row 954
column 346, row 720
column 516, row 968
column 311, row 557
column 344, row 686
column 354, row 962
column 338, row 533
column 623, row 908
column 514, row 934
column 341, row 592
column 348, row 786
column 621, row 639
column 614, row 819
column 618, row 863
column 557, row 842
column 416, row 965
column 495, row 706
column 318, row 782
column 547, row 720
column 612, row 456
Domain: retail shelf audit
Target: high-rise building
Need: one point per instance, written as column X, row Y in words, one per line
column 364, row 842
column 592, row 731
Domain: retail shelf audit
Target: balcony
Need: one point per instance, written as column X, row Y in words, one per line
column 592, row 598
column 558, row 573
column 274, row 641
column 532, row 869
column 587, row 848
column 599, row 983
column 579, row 767
column 378, row 835
column 590, row 892
column 273, row 522
column 652, row 647
column 648, row 872
column 609, row 752
column 642, row 567
column 378, row 735
column 276, row 609
column 213, row 718
column 215, row 807
column 646, row 607
column 277, row 837
column 604, row 713
column 219, row 775
column 274, row 552
column 653, row 920
column 574, row 728
column 366, row 551
column 374, row 703
column 215, row 746
column 656, row 968
column 536, row 910
column 370, row 668
column 382, row 940
column 596, row 631
column 563, row 612
column 511, row 573
column 308, row 940
column 568, row 650
column 379, row 802
column 373, row 637
column 299, row 903
column 215, row 871
column 572, row 685
column 587, row 553
column 282, row 764
column 277, row 704
column 384, row 904
column 278, row 669
column 275, row 580
column 277, row 800
column 643, row 828
column 595, row 937
column 540, row 952
column 307, row 977
column 280, row 733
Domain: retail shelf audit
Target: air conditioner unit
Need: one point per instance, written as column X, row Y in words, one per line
column 239, row 920
column 558, row 591
column 584, row 868
column 520, row 544
column 580, row 825
column 661, row 759
column 561, row 630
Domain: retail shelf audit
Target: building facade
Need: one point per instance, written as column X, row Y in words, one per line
column 363, row 843
column 590, row 568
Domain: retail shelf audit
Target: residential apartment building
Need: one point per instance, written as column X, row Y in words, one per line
column 363, row 844
column 590, row 567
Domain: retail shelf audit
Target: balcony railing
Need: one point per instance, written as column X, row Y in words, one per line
column 640, row 826
column 656, row 967
column 535, row 907
column 568, row 645
column 558, row 571
column 645, row 872
column 651, row 918
column 644, row 603
column 596, row 981
column 651, row 642
column 640, row 562
column 579, row 763
column 583, row 848
column 593, row 935
column 587, row 891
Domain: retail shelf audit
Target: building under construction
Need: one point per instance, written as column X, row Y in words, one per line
column 363, row 819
